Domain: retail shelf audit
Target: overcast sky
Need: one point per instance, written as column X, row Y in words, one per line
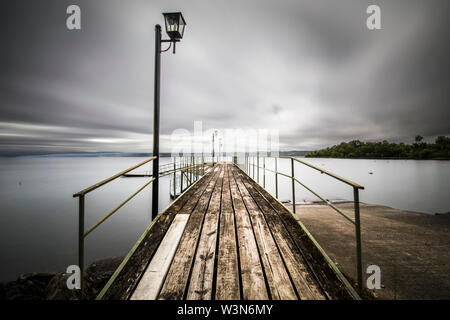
column 309, row 69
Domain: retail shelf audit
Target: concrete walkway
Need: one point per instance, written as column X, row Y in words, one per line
column 412, row 249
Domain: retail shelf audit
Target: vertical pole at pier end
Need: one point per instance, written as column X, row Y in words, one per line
column 257, row 167
column 253, row 165
column 181, row 175
column 174, row 177
column 358, row 237
column 276, row 178
column 264, row 172
column 293, row 184
column 155, row 184
column 247, row 164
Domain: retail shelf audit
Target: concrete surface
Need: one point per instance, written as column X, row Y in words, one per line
column 412, row 249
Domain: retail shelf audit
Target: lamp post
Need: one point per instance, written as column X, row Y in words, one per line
column 214, row 134
column 220, row 150
column 175, row 24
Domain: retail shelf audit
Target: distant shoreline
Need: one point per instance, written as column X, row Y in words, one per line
column 439, row 150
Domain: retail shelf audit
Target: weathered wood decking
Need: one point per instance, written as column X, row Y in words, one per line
column 226, row 238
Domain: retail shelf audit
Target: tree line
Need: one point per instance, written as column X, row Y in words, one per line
column 439, row 150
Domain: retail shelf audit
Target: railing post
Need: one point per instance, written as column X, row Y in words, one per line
column 246, row 163
column 358, row 237
column 264, row 172
column 257, row 167
column 253, row 165
column 181, row 179
column 81, row 241
column 276, row 177
column 293, row 184
column 174, row 177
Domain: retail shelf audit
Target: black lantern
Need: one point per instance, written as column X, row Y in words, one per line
column 174, row 25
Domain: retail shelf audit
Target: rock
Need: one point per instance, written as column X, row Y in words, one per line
column 52, row 286
column 29, row 286
column 57, row 289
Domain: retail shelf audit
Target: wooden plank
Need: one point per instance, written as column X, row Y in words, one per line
column 328, row 280
column 175, row 284
column 129, row 276
column 278, row 280
column 151, row 282
column 252, row 274
column 200, row 286
column 305, row 284
column 227, row 284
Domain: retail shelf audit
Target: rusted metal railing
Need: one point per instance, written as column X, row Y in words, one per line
column 250, row 165
column 184, row 165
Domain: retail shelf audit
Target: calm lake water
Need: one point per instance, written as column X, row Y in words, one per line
column 39, row 216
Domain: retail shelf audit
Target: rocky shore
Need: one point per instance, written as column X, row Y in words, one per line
column 52, row 286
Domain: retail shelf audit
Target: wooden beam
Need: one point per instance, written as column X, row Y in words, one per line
column 252, row 274
column 227, row 286
column 151, row 282
column 200, row 287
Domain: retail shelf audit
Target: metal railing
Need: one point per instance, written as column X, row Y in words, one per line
column 189, row 166
column 250, row 170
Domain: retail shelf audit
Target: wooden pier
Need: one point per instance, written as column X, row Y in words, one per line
column 227, row 238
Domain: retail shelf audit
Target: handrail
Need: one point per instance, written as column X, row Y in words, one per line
column 189, row 165
column 349, row 182
column 356, row 187
column 103, row 182
column 326, row 201
column 131, row 197
column 117, row 208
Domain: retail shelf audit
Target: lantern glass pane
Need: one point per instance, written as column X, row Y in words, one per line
column 171, row 23
column 182, row 28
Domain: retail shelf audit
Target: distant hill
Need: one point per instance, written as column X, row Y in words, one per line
column 294, row 153
column 440, row 150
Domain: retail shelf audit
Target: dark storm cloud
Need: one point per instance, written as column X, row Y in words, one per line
column 310, row 69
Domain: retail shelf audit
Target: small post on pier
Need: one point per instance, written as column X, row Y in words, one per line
column 276, row 178
column 264, row 172
column 246, row 163
column 358, row 237
column 257, row 166
column 181, row 175
column 81, row 241
column 253, row 165
column 293, row 184
column 213, row 148
column 174, row 177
